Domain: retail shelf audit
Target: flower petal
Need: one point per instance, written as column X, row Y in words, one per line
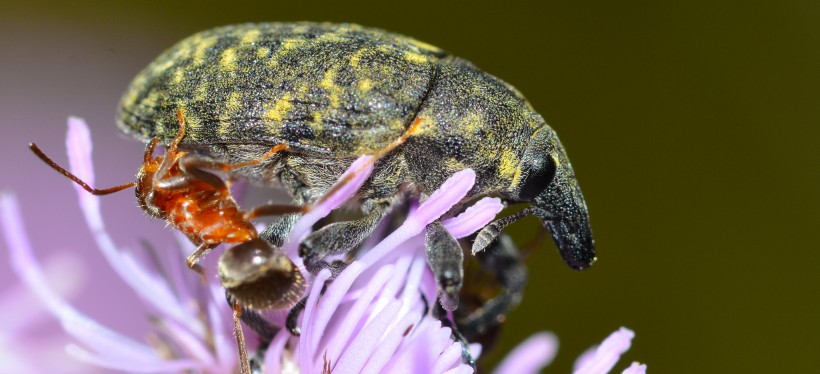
column 149, row 287
column 342, row 190
column 531, row 356
column 474, row 218
column 78, row 145
column 107, row 342
column 305, row 348
column 339, row 338
column 451, row 192
column 165, row 366
column 365, row 343
column 635, row 368
column 608, row 353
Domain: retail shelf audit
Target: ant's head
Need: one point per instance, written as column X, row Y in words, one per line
column 258, row 276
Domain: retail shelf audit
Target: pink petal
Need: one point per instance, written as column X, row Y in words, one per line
column 339, row 339
column 360, row 169
column 148, row 286
column 273, row 356
column 451, row 192
column 329, row 303
column 531, row 356
column 474, row 218
column 165, row 366
column 608, row 353
column 104, row 340
column 78, row 145
column 635, row 368
column 306, row 347
column 387, row 347
column 360, row 349
column 448, row 359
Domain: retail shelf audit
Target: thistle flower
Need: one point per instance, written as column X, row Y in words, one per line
column 25, row 346
column 372, row 318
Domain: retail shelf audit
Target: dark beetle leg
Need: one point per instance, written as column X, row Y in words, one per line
column 293, row 317
column 339, row 237
column 502, row 260
column 489, row 233
column 336, row 268
column 441, row 314
column 446, row 260
column 277, row 232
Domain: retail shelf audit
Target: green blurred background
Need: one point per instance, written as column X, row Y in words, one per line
column 692, row 127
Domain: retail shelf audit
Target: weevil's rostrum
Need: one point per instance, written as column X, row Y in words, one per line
column 332, row 92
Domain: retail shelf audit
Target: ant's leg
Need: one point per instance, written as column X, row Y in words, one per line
column 197, row 167
column 275, row 210
column 264, row 329
column 193, row 260
column 244, row 363
column 340, row 237
column 502, row 260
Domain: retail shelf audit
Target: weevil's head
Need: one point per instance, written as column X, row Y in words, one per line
column 547, row 179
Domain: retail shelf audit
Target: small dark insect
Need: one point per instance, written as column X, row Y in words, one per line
column 179, row 188
column 333, row 92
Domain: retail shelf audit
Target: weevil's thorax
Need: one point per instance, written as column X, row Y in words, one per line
column 471, row 120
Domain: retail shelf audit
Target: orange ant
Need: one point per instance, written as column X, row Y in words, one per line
column 180, row 189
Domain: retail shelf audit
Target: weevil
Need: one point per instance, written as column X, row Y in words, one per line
column 180, row 188
column 332, row 92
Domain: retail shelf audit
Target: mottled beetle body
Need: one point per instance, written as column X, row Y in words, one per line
column 334, row 92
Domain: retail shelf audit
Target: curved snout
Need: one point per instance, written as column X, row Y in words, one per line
column 563, row 212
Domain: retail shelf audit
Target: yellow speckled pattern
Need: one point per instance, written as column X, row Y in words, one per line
column 340, row 89
column 332, row 92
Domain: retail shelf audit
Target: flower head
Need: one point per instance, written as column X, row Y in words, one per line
column 372, row 318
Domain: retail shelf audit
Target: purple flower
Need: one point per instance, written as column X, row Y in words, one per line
column 370, row 319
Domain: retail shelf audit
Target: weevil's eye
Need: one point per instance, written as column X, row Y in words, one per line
column 259, row 276
column 539, row 171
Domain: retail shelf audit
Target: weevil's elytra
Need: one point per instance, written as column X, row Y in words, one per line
column 332, row 92
column 335, row 89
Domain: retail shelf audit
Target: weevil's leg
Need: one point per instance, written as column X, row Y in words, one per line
column 489, row 233
column 277, row 232
column 503, row 261
column 193, row 260
column 291, row 323
column 335, row 267
column 340, row 237
column 442, row 315
column 446, row 260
